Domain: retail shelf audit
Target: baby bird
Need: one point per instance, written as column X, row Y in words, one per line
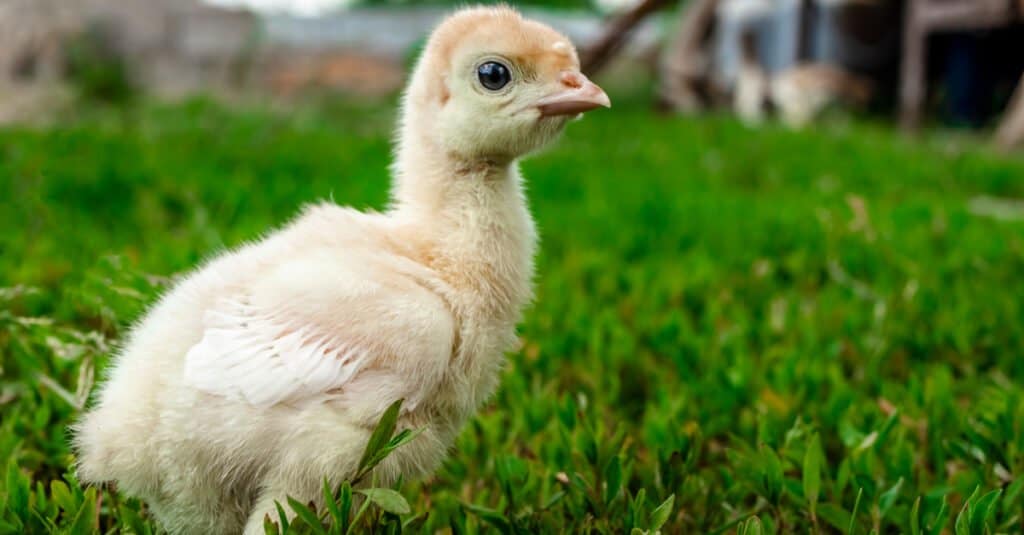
column 265, row 370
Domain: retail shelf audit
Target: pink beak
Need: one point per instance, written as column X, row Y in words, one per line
column 579, row 95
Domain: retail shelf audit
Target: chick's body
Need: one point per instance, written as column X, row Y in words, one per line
column 199, row 452
column 265, row 371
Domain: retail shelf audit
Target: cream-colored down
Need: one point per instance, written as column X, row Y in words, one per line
column 264, row 371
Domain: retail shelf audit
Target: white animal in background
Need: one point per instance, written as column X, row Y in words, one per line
column 798, row 95
column 750, row 95
column 802, row 93
column 264, row 371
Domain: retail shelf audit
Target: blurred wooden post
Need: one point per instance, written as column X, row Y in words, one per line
column 686, row 61
column 1011, row 129
column 912, row 66
column 616, row 35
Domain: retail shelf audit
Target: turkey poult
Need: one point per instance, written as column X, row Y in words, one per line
column 266, row 370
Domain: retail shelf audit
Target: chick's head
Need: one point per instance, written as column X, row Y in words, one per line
column 491, row 84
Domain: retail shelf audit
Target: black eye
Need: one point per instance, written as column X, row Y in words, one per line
column 493, row 75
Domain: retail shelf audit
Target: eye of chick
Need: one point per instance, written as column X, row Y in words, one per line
column 493, row 75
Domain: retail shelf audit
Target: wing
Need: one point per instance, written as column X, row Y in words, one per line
column 324, row 327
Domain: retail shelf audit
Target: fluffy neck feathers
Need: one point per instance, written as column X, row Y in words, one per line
column 472, row 216
column 430, row 178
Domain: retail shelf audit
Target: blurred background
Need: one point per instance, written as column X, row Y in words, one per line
column 780, row 284
column 945, row 62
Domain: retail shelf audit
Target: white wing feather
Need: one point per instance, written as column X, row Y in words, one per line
column 309, row 338
column 247, row 354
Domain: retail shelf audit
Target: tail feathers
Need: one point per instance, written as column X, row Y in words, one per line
column 106, row 451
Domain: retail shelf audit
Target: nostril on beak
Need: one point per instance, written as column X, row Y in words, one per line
column 577, row 95
column 571, row 79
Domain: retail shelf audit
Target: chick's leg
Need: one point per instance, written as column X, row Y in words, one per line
column 266, row 507
column 328, row 449
column 324, row 449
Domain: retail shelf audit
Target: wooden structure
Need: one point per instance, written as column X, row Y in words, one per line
column 925, row 17
column 617, row 33
column 1011, row 130
column 686, row 64
column 686, row 68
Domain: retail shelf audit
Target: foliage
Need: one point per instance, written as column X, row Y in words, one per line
column 96, row 69
column 735, row 331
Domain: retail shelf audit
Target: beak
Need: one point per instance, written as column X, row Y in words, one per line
column 579, row 95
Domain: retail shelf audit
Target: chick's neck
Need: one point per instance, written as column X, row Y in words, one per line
column 472, row 215
column 433, row 182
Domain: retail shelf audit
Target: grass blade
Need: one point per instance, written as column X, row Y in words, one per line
column 381, row 436
column 982, row 509
column 387, row 499
column 612, row 479
column 812, row 473
column 660, row 515
column 856, row 509
column 915, row 517
column 307, row 515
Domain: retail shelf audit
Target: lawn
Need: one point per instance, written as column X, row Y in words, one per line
column 735, row 330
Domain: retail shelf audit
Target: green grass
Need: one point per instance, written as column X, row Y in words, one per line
column 753, row 331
